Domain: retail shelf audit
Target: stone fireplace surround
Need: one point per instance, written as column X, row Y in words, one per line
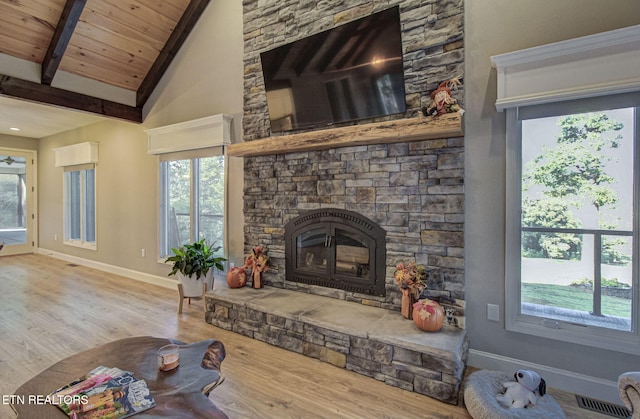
column 370, row 341
column 412, row 189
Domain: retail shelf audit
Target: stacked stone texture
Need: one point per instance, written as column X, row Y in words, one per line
column 414, row 190
column 430, row 372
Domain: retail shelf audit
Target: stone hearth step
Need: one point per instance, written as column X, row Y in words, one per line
column 372, row 341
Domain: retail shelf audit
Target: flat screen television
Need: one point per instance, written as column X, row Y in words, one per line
column 351, row 72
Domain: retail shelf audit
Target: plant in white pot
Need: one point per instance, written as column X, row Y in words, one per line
column 193, row 266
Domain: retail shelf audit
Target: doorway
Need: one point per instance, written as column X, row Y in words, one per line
column 17, row 201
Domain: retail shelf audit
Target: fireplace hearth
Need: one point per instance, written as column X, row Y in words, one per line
column 336, row 248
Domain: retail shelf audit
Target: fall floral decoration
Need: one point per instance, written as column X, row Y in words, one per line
column 258, row 262
column 410, row 279
column 428, row 315
column 410, row 276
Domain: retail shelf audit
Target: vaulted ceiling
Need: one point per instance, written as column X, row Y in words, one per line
column 127, row 44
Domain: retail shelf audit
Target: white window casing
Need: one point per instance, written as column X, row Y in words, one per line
column 578, row 75
column 190, row 140
column 80, row 157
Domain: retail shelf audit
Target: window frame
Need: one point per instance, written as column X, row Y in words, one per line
column 515, row 320
column 82, row 242
column 194, row 198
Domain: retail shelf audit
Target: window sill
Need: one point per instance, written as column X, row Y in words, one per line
column 613, row 340
column 82, row 245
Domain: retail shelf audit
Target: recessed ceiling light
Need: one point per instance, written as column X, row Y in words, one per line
column 14, row 129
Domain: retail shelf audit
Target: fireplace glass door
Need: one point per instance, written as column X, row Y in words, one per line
column 336, row 250
column 312, row 252
column 352, row 254
column 336, row 253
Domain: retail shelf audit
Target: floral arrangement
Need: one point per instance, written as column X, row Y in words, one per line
column 410, row 276
column 258, row 260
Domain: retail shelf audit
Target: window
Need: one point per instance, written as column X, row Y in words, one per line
column 192, row 198
column 573, row 221
column 80, row 206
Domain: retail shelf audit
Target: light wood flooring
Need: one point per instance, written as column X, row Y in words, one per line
column 50, row 309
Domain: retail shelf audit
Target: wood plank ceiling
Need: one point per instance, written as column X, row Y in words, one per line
column 123, row 43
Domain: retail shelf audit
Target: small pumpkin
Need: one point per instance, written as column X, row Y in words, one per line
column 428, row 315
column 237, row 277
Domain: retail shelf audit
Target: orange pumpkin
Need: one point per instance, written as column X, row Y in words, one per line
column 236, row 277
column 428, row 315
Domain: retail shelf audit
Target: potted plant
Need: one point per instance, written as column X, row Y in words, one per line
column 192, row 265
column 410, row 280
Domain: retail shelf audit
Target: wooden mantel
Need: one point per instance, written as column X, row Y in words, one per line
column 399, row 130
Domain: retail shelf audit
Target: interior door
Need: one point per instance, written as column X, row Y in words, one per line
column 17, row 201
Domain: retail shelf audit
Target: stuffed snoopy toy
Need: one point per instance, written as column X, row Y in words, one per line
column 522, row 392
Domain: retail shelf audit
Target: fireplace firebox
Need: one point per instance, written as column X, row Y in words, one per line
column 337, row 249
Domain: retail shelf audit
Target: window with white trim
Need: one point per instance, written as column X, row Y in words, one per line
column 573, row 181
column 192, row 198
column 80, row 205
column 572, row 221
column 192, row 181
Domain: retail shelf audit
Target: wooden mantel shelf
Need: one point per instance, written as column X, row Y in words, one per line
column 399, row 130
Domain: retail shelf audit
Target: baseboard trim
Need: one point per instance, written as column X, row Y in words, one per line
column 116, row 270
column 584, row 385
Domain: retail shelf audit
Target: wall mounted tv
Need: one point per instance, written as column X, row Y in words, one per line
column 347, row 73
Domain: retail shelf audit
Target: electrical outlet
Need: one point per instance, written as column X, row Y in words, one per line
column 142, row 253
column 493, row 312
column 55, row 237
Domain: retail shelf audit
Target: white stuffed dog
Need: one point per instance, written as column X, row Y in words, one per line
column 522, row 392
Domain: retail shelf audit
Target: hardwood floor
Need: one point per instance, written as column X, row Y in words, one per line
column 50, row 309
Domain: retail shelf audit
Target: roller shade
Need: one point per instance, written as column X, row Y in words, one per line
column 76, row 154
column 594, row 65
column 200, row 133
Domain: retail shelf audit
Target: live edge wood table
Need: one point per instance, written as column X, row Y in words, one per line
column 179, row 393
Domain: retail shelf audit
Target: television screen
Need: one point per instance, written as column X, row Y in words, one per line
column 350, row 72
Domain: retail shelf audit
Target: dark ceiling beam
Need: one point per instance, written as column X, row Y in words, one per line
column 171, row 48
column 60, row 40
column 35, row 92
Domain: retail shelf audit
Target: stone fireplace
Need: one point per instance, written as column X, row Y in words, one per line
column 405, row 174
column 338, row 249
column 413, row 189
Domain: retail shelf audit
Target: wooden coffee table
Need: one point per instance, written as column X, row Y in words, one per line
column 180, row 393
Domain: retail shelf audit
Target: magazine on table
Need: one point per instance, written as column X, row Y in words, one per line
column 104, row 393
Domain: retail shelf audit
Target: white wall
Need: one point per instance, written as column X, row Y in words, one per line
column 495, row 27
